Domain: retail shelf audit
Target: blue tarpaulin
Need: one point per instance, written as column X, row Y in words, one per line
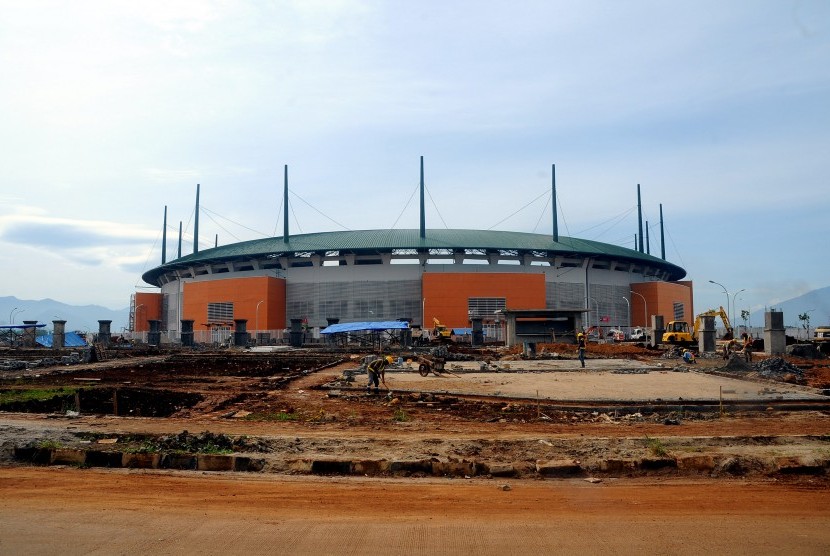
column 364, row 326
column 70, row 340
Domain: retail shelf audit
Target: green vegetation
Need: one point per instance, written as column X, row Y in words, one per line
column 278, row 416
column 49, row 445
column 656, row 447
column 34, row 394
column 400, row 416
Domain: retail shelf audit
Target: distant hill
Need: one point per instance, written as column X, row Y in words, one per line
column 84, row 317
column 816, row 301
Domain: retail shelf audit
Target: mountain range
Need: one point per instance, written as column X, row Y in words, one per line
column 77, row 317
column 815, row 303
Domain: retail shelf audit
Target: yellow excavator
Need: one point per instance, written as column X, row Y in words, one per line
column 677, row 331
column 441, row 332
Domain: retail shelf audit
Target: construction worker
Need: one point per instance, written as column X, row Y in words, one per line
column 580, row 344
column 688, row 357
column 377, row 372
column 747, row 347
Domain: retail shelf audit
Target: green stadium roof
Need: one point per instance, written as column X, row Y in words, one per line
column 384, row 241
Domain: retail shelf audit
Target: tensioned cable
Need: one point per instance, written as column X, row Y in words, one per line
column 296, row 220
column 519, row 210
column 436, row 208
column 542, row 214
column 149, row 253
column 321, row 213
column 279, row 215
column 220, row 226
column 406, row 206
column 207, row 210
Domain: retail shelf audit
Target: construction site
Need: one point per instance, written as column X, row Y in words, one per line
column 455, row 388
column 492, row 414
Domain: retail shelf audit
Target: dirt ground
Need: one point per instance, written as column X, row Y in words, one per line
column 672, row 472
column 70, row 511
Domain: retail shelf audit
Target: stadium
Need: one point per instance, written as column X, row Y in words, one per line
column 419, row 275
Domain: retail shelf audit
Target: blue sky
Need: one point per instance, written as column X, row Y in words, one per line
column 112, row 110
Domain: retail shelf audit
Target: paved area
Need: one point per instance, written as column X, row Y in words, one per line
column 619, row 380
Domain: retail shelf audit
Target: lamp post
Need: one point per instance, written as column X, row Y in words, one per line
column 257, row 314
column 589, row 320
column 627, row 302
column 645, row 307
column 734, row 302
column 135, row 316
column 724, row 291
column 14, row 312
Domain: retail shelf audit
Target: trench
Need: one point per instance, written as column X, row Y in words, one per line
column 133, row 402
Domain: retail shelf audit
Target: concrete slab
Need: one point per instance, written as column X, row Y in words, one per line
column 561, row 380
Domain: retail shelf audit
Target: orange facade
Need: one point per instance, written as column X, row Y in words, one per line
column 662, row 298
column 260, row 300
column 446, row 294
column 147, row 308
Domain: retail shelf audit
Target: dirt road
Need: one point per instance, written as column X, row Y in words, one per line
column 71, row 511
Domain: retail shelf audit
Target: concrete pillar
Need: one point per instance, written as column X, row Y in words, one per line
column 154, row 335
column 240, row 334
column 58, row 334
column 775, row 341
column 296, row 334
column 29, row 334
column 104, row 332
column 406, row 333
column 330, row 337
column 706, row 338
column 658, row 328
column 478, row 331
column 187, row 333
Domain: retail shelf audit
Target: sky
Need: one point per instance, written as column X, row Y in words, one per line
column 113, row 110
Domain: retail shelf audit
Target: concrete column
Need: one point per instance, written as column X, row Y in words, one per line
column 29, row 334
column 706, row 340
column 478, row 331
column 406, row 333
column 104, row 332
column 154, row 335
column 658, row 328
column 58, row 334
column 296, row 334
column 240, row 334
column 775, row 341
column 187, row 333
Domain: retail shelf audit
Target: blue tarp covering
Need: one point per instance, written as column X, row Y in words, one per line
column 70, row 340
column 362, row 326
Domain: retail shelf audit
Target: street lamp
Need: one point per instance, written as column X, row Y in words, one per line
column 135, row 315
column 257, row 314
column 645, row 306
column 14, row 312
column 734, row 302
column 724, row 291
column 627, row 302
column 589, row 313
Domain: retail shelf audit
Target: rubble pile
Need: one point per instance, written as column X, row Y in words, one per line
column 16, row 364
column 777, row 368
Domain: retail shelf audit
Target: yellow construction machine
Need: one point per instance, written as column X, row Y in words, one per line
column 441, row 332
column 677, row 331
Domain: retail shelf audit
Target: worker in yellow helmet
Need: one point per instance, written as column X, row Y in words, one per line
column 580, row 344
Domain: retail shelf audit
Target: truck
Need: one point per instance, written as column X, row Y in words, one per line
column 821, row 339
column 678, row 332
